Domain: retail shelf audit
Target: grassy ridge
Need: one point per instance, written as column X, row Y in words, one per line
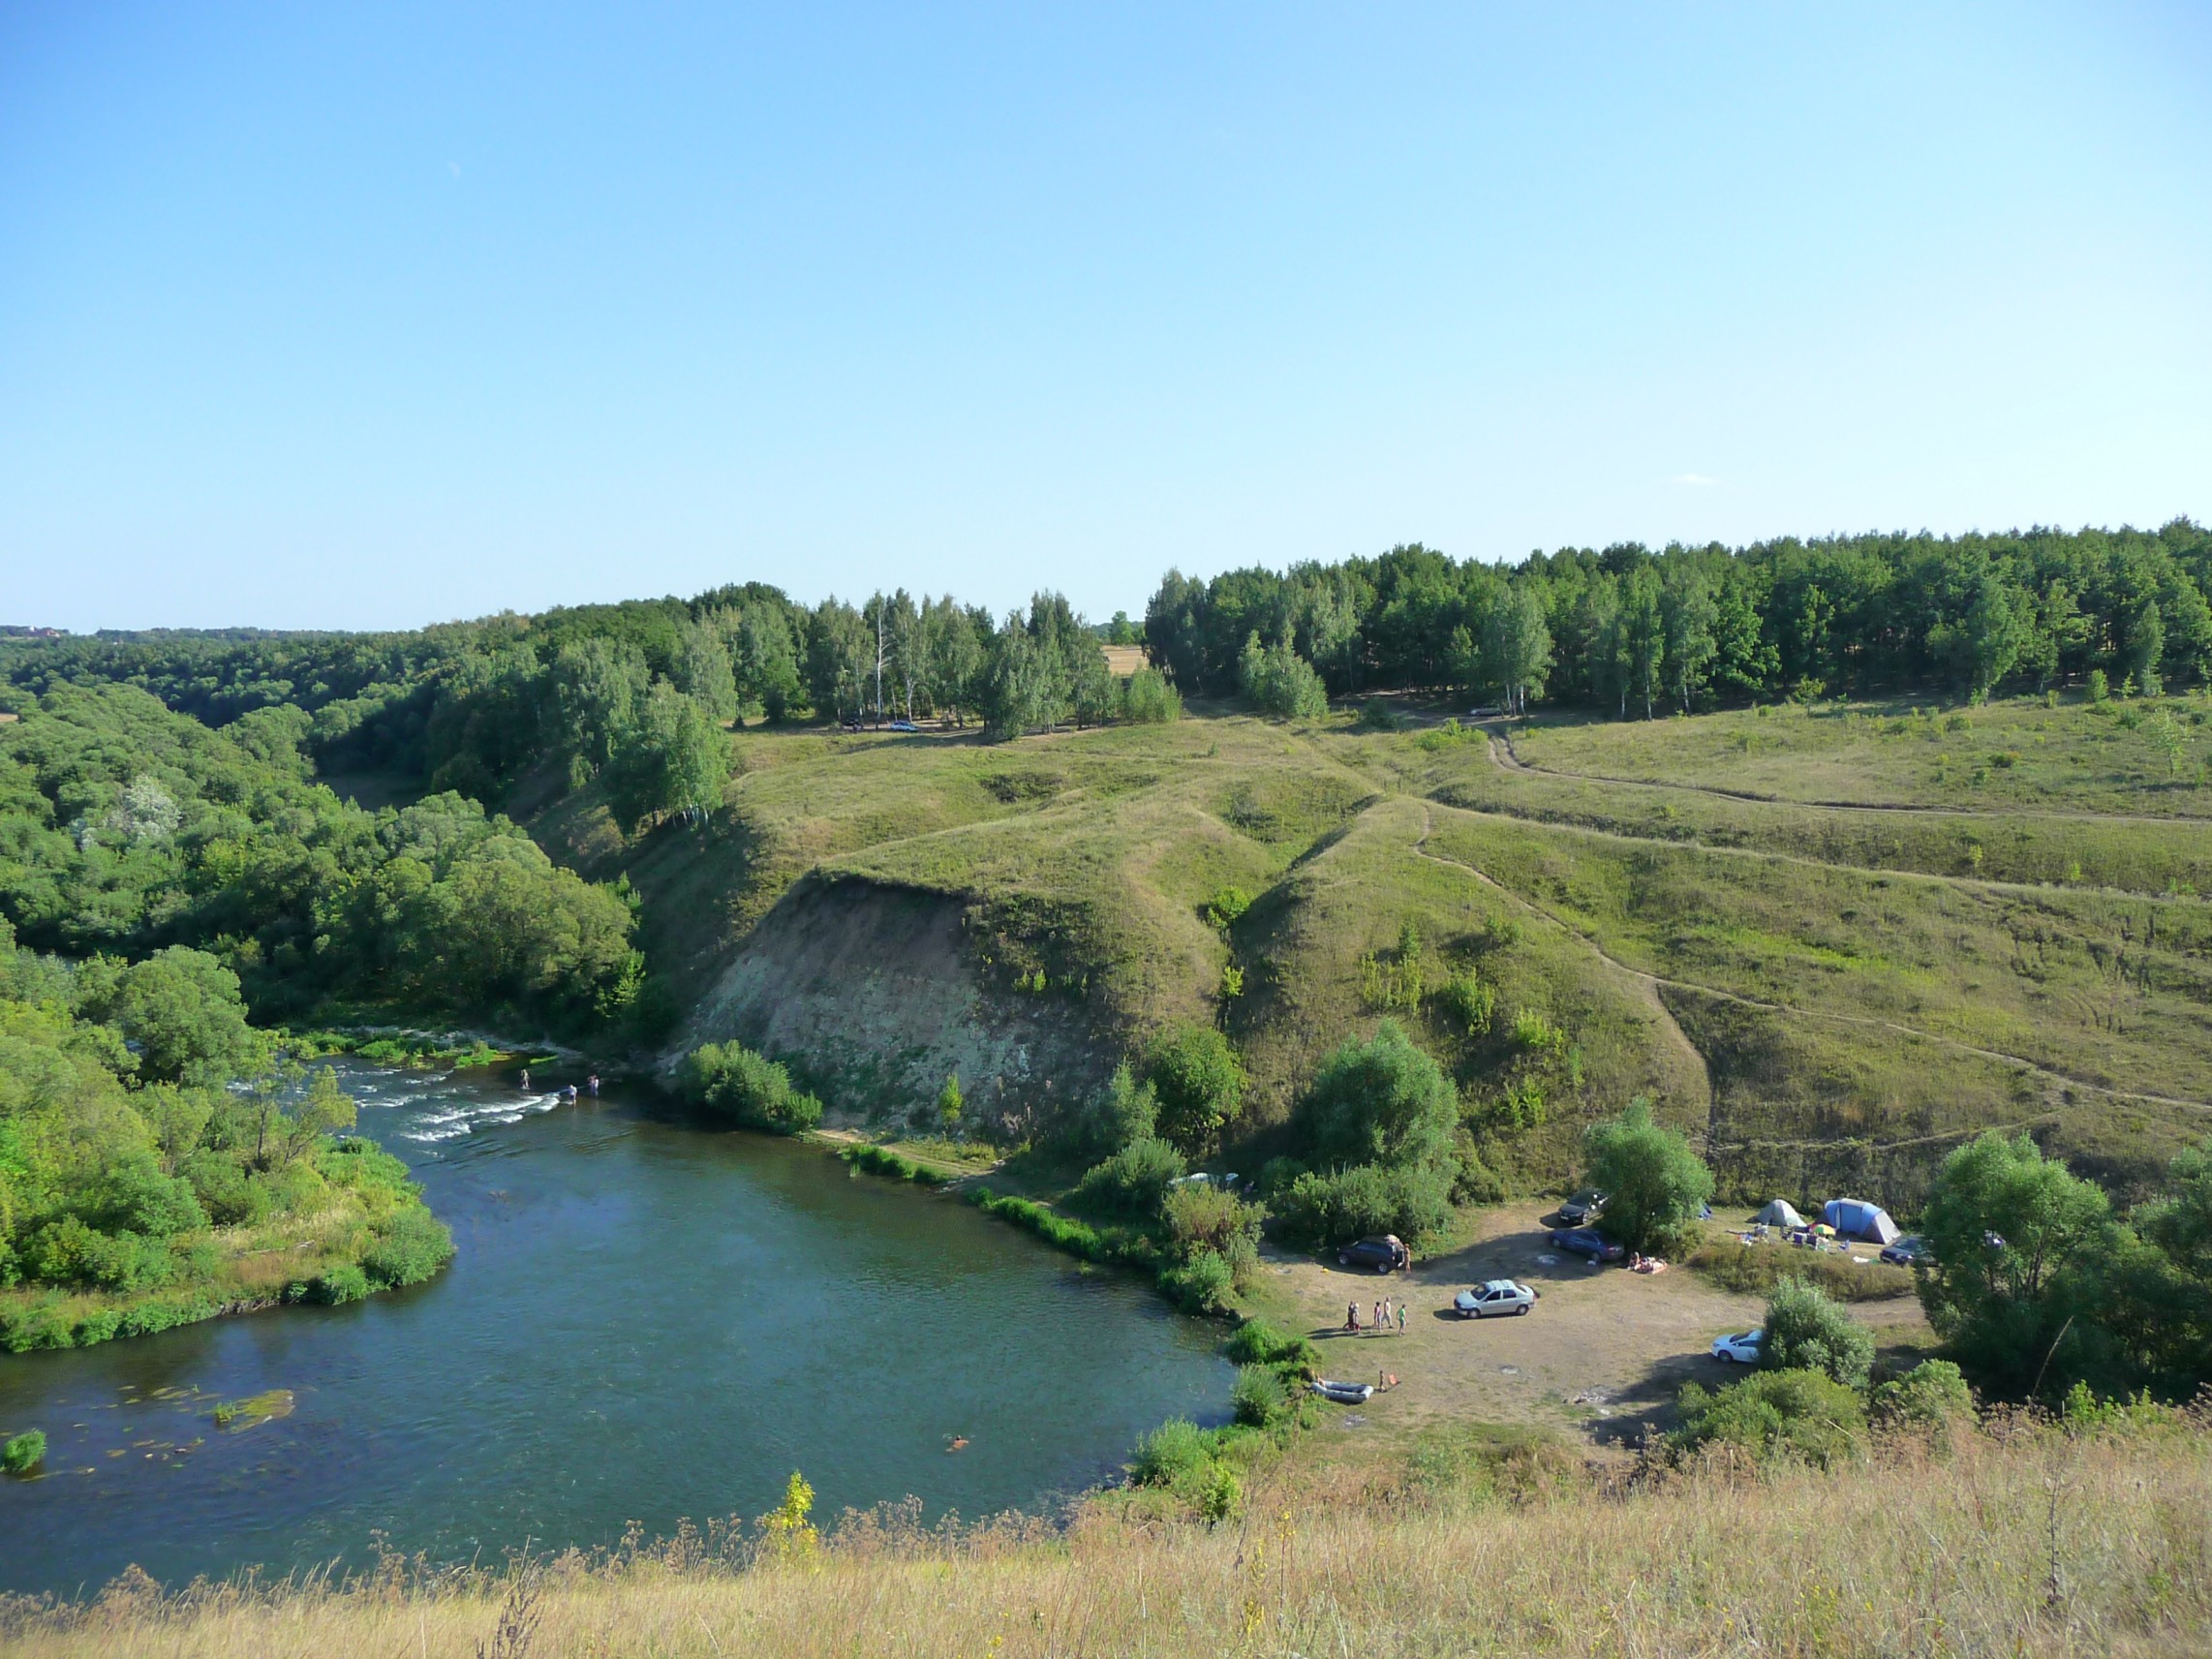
column 1826, row 996
column 2016, row 755
column 2030, row 1544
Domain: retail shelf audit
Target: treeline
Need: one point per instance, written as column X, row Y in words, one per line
column 138, row 1114
column 1637, row 632
column 126, row 828
column 635, row 693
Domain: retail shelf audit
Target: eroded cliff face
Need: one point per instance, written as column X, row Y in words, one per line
column 872, row 994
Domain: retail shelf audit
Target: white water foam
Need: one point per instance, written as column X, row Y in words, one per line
column 463, row 1118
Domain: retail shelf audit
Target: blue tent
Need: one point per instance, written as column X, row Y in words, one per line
column 1856, row 1218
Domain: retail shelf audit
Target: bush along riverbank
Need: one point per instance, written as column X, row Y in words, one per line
column 161, row 1161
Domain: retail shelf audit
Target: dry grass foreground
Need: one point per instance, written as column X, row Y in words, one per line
column 2017, row 1542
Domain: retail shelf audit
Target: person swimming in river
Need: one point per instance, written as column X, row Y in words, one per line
column 592, row 1083
column 570, row 1093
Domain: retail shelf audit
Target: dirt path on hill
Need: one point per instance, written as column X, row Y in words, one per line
column 1887, row 872
column 1647, row 983
column 1655, row 980
column 1507, row 759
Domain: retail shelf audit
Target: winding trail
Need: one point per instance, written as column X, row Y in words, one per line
column 1509, row 760
column 1647, row 983
column 1655, row 981
column 1886, row 871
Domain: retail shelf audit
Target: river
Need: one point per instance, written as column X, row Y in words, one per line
column 648, row 1321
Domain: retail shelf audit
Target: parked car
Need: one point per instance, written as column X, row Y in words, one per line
column 1741, row 1349
column 1586, row 1241
column 1910, row 1249
column 904, row 725
column 1498, row 1296
column 1382, row 1254
column 1583, row 1209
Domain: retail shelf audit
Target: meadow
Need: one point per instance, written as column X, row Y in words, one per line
column 1825, row 995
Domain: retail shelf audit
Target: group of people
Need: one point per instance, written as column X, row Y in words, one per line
column 1384, row 1312
column 568, row 1091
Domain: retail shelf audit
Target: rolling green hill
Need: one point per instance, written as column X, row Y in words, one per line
column 1831, row 941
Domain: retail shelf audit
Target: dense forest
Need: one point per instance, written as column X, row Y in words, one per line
column 126, row 829
column 637, row 690
column 1636, row 633
column 160, row 1160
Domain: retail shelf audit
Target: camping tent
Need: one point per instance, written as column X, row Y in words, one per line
column 1781, row 1213
column 1856, row 1218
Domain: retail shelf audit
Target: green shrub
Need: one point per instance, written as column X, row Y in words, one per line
column 1657, row 1180
column 1133, row 1182
column 1807, row 1332
column 1256, row 1343
column 341, row 1284
column 1199, row 1213
column 1222, row 1495
column 1932, row 1394
column 1470, row 1000
column 70, row 1252
column 1148, row 699
column 1257, row 1398
column 1777, row 1414
column 1382, row 1102
column 1277, row 680
column 23, row 1452
column 882, row 1160
column 1125, row 1112
column 1199, row 1082
column 748, row 1088
column 409, row 1248
column 1175, row 1454
column 1756, row 1269
column 1203, row 1284
column 1048, row 1224
column 1321, row 1210
column 1226, row 908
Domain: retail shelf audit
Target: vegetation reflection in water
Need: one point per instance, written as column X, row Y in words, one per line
column 646, row 1321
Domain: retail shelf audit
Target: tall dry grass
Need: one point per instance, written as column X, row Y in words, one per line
column 2022, row 1542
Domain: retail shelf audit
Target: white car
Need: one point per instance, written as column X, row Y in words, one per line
column 1742, row 1348
column 1498, row 1296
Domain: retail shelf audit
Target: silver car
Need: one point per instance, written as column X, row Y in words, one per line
column 1498, row 1296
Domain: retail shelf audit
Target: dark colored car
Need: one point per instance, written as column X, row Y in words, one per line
column 1910, row 1249
column 1586, row 1241
column 1583, row 1209
column 1382, row 1254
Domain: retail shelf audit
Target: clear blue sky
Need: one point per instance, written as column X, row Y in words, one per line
column 321, row 314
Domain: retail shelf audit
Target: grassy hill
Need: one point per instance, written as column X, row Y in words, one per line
column 1833, row 941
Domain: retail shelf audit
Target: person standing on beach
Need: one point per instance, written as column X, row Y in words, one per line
column 526, row 1079
column 1402, row 1319
column 1351, row 1316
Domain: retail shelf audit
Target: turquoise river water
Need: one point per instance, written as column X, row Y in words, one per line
column 648, row 1321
